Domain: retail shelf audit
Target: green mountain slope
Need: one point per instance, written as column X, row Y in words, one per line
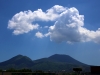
column 55, row 62
column 17, row 62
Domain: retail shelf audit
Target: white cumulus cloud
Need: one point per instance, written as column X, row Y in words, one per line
column 39, row 35
column 23, row 22
column 68, row 24
column 70, row 28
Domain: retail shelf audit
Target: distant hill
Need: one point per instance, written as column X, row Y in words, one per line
column 55, row 62
column 61, row 58
column 17, row 62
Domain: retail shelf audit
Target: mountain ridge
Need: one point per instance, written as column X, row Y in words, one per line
column 59, row 58
column 55, row 62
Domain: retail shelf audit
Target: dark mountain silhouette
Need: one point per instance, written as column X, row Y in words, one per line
column 60, row 58
column 55, row 62
column 17, row 62
column 65, row 58
column 59, row 62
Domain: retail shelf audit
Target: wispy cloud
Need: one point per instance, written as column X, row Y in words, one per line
column 46, row 26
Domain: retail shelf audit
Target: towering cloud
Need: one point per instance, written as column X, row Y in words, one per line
column 70, row 28
column 68, row 24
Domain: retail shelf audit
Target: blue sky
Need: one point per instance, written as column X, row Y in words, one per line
column 41, row 28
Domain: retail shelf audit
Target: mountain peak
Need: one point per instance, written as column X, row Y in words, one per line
column 21, row 57
column 59, row 55
column 18, row 60
column 64, row 58
column 17, row 56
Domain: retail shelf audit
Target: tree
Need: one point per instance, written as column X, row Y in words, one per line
column 25, row 70
column 11, row 70
column 78, row 70
column 0, row 70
